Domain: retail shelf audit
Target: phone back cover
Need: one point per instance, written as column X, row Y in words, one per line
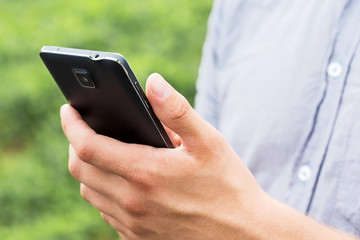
column 113, row 108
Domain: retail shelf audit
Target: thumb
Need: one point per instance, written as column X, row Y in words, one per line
column 174, row 110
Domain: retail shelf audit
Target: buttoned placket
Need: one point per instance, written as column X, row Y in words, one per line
column 311, row 159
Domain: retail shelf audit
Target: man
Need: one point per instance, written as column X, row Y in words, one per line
column 279, row 83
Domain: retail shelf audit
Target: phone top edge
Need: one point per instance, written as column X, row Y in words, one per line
column 94, row 55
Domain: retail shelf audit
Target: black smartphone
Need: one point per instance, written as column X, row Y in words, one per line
column 103, row 89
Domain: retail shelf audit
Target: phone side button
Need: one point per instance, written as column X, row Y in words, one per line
column 141, row 93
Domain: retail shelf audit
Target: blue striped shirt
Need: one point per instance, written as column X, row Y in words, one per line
column 281, row 81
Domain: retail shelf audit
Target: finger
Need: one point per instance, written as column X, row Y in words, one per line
column 99, row 201
column 106, row 153
column 175, row 112
column 75, row 129
column 134, row 231
column 95, row 178
column 118, row 226
column 126, row 196
column 111, row 213
column 123, row 236
column 175, row 139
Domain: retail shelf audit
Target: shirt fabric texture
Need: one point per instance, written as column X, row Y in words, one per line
column 281, row 81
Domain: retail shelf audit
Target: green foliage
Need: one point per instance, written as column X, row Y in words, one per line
column 38, row 197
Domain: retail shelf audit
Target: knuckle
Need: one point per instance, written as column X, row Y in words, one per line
column 180, row 107
column 142, row 180
column 136, row 228
column 133, row 207
column 85, row 151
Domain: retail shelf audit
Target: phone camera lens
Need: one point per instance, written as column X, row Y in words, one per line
column 84, row 78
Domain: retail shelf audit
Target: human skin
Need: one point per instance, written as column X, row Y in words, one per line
column 198, row 190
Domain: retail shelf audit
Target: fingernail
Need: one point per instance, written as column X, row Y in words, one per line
column 160, row 87
column 63, row 108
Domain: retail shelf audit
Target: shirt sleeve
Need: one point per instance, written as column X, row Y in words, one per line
column 206, row 99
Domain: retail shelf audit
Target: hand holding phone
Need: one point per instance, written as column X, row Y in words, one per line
column 154, row 191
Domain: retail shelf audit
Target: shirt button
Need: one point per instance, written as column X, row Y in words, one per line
column 304, row 173
column 334, row 69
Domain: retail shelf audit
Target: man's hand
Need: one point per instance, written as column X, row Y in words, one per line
column 199, row 190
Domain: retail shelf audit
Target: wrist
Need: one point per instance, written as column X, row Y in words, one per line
column 272, row 219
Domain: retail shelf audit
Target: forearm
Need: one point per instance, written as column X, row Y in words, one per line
column 279, row 221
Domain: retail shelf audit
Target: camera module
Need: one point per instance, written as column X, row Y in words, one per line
column 84, row 78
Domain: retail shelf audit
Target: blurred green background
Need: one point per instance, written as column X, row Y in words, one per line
column 38, row 197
